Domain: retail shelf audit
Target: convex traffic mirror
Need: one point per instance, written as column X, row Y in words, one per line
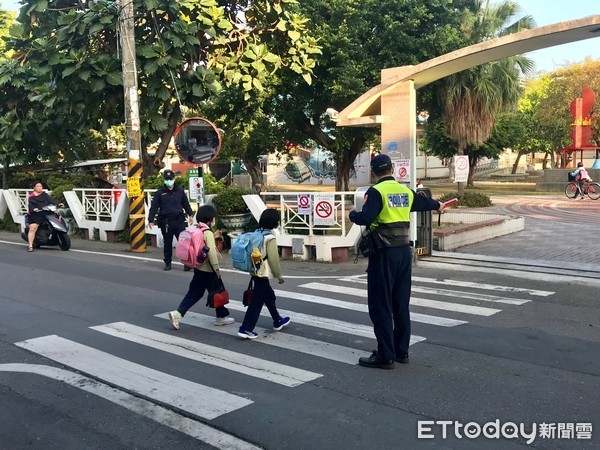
column 197, row 140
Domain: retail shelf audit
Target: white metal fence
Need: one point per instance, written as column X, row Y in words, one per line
column 99, row 204
column 292, row 222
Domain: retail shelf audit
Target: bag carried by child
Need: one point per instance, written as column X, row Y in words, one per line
column 217, row 294
column 189, row 245
column 248, row 294
column 243, row 248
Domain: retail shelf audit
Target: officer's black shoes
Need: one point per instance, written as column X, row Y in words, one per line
column 186, row 268
column 402, row 359
column 376, row 361
column 167, row 265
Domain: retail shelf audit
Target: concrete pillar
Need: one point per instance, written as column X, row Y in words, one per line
column 399, row 127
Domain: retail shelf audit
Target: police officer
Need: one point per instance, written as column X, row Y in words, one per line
column 386, row 213
column 170, row 202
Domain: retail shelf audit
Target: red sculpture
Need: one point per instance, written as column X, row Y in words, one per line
column 581, row 128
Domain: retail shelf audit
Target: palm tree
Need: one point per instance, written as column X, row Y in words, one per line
column 472, row 98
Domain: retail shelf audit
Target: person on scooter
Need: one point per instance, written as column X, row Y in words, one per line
column 37, row 200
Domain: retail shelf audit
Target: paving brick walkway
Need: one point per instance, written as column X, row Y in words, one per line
column 556, row 229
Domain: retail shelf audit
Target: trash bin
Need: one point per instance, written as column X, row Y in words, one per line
column 359, row 197
column 424, row 244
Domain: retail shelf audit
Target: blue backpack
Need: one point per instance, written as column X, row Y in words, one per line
column 241, row 250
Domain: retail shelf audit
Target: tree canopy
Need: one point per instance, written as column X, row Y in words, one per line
column 66, row 74
column 358, row 39
column 473, row 98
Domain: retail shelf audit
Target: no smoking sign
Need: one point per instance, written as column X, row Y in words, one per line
column 323, row 210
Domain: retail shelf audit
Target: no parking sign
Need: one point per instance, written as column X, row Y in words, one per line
column 304, row 204
column 323, row 210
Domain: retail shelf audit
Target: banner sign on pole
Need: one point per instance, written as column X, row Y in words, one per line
column 196, row 187
column 304, row 204
column 461, row 168
column 134, row 187
column 402, row 170
column 323, row 209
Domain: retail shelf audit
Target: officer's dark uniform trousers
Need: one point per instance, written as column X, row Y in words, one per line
column 173, row 226
column 389, row 284
column 171, row 220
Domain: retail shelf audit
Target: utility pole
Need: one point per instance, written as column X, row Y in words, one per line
column 135, row 192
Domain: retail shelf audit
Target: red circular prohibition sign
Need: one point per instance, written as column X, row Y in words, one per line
column 323, row 209
column 304, row 201
column 402, row 172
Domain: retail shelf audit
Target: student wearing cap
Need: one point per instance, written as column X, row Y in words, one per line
column 170, row 202
column 386, row 214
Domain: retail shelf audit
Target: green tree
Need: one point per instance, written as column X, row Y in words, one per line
column 550, row 96
column 473, row 98
column 249, row 128
column 68, row 69
column 358, row 39
column 6, row 19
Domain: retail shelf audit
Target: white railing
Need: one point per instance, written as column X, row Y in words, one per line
column 296, row 234
column 292, row 221
column 23, row 199
column 99, row 204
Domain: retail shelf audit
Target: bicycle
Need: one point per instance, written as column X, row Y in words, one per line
column 591, row 189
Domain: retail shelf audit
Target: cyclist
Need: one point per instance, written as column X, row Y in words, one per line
column 580, row 176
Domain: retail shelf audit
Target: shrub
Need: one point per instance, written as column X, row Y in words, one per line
column 57, row 192
column 469, row 199
column 7, row 224
column 230, row 201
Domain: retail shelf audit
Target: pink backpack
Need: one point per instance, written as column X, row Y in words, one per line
column 189, row 244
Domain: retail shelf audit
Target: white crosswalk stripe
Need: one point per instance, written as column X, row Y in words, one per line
column 483, row 286
column 457, row 294
column 355, row 329
column 325, row 301
column 414, row 301
column 286, row 341
column 238, row 362
column 197, row 399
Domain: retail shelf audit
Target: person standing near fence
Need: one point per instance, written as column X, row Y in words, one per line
column 386, row 213
column 170, row 202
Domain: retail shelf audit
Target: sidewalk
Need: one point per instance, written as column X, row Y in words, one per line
column 559, row 233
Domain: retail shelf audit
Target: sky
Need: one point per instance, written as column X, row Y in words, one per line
column 544, row 12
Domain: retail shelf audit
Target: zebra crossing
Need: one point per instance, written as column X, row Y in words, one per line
column 456, row 298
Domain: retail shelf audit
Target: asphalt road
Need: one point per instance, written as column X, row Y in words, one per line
column 87, row 359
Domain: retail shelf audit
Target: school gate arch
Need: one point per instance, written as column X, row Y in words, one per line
column 392, row 104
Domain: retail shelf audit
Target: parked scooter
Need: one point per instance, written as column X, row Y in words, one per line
column 54, row 230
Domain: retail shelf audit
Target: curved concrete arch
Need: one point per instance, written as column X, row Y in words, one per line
column 366, row 110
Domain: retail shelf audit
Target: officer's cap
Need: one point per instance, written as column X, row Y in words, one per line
column 380, row 162
column 169, row 174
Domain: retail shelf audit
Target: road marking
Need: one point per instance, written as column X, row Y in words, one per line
column 415, row 317
column 159, row 414
column 488, row 287
column 340, row 326
column 470, row 295
column 414, row 301
column 237, row 362
column 452, row 293
column 287, row 341
column 194, row 398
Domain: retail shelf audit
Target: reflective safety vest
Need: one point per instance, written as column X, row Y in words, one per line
column 397, row 200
